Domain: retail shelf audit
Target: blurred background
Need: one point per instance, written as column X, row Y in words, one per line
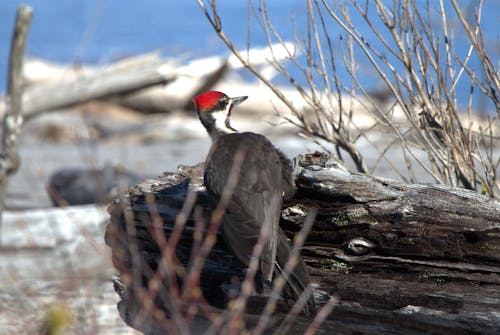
column 68, row 36
column 101, row 31
column 55, row 259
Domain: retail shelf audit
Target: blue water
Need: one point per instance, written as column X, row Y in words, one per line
column 100, row 31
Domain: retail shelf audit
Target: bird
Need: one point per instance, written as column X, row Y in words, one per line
column 264, row 181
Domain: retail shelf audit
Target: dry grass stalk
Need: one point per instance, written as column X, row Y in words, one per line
column 184, row 303
column 411, row 51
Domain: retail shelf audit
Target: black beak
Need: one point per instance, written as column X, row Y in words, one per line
column 237, row 100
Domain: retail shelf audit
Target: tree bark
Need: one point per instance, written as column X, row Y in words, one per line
column 401, row 259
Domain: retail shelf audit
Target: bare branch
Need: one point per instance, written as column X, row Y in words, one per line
column 13, row 119
column 417, row 63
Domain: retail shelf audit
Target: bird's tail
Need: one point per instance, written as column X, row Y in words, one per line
column 298, row 279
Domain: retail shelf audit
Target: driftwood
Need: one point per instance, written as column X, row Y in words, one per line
column 121, row 78
column 13, row 118
column 135, row 82
column 156, row 100
column 401, row 259
column 202, row 74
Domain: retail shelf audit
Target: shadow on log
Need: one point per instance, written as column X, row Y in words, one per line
column 402, row 259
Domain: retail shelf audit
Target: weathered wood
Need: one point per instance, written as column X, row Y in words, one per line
column 13, row 118
column 120, row 78
column 134, row 82
column 402, row 259
column 200, row 75
column 157, row 100
column 402, row 219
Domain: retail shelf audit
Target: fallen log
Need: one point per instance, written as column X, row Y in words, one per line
column 120, row 78
column 135, row 82
column 204, row 74
column 401, row 259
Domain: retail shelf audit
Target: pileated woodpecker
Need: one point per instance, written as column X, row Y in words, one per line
column 264, row 179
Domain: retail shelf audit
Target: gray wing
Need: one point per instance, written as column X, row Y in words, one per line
column 256, row 201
